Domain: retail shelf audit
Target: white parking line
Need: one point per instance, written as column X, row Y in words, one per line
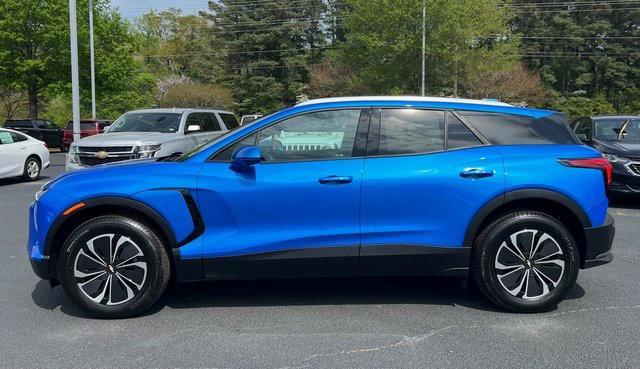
column 623, row 213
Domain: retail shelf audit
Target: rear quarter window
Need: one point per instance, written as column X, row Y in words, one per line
column 509, row 129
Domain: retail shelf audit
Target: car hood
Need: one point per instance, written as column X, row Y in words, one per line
column 126, row 138
column 620, row 147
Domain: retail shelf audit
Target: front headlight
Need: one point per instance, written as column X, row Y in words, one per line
column 616, row 159
column 148, row 151
column 72, row 156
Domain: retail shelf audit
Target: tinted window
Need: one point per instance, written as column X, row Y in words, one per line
column 19, row 124
column 411, row 131
column 583, row 126
column 226, row 154
column 103, row 125
column 509, row 129
column 314, row 136
column 43, row 124
column 458, row 135
column 147, row 122
column 229, row 120
column 208, row 121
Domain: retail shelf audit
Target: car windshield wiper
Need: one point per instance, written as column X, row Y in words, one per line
column 624, row 127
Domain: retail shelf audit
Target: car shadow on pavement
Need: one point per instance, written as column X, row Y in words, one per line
column 340, row 291
column 17, row 180
column 625, row 202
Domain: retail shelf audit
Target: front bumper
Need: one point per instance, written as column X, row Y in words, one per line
column 41, row 267
column 598, row 244
column 72, row 166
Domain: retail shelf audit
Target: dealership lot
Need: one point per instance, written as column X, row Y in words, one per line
column 391, row 322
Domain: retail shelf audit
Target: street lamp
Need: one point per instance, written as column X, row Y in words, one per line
column 75, row 85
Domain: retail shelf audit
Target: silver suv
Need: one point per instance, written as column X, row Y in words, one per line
column 150, row 133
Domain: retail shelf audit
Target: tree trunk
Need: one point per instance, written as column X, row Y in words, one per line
column 33, row 100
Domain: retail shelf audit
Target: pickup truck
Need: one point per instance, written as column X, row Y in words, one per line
column 149, row 133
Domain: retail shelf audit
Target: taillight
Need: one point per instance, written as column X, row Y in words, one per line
column 593, row 163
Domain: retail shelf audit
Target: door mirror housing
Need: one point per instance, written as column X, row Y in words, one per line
column 245, row 157
column 193, row 128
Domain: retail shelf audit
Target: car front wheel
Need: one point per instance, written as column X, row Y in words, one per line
column 525, row 262
column 114, row 267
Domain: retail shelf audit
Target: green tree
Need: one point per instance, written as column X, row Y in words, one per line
column 267, row 48
column 383, row 43
column 34, row 51
column 582, row 47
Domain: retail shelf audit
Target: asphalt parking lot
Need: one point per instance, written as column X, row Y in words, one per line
column 345, row 323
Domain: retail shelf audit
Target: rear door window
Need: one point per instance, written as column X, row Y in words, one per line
column 209, row 122
column 410, row 131
column 193, row 120
column 229, row 120
column 19, row 124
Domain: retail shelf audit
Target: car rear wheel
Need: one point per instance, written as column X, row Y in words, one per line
column 525, row 262
column 32, row 169
column 114, row 267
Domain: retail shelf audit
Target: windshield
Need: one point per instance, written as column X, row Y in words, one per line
column 147, row 122
column 618, row 128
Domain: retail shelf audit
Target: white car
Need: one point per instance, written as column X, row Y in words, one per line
column 150, row 133
column 21, row 155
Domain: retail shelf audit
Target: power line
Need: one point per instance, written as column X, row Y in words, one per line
column 232, row 52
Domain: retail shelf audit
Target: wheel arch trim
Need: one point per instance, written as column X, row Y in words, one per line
column 525, row 194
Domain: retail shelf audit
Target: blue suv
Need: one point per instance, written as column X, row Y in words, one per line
column 369, row 186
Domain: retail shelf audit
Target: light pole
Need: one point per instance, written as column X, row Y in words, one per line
column 75, row 85
column 93, row 67
column 424, row 36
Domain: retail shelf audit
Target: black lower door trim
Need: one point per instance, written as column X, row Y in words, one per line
column 340, row 261
column 402, row 260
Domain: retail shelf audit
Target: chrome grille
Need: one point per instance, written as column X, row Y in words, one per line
column 109, row 149
column 634, row 168
column 95, row 155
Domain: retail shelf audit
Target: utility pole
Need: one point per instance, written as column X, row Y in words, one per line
column 424, row 36
column 93, row 66
column 75, row 84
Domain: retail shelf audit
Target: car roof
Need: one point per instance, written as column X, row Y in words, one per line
column 14, row 131
column 427, row 102
column 603, row 117
column 177, row 110
column 406, row 98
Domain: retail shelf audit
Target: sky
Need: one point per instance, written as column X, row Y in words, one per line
column 133, row 8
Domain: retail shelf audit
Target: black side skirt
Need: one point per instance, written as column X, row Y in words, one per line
column 372, row 260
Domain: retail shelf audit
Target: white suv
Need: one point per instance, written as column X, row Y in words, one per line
column 150, row 133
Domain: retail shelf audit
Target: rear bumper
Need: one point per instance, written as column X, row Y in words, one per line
column 598, row 244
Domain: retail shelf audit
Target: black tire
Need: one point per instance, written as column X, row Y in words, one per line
column 32, row 169
column 140, row 266
column 63, row 148
column 498, row 278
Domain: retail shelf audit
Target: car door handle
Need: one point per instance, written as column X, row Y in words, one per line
column 204, row 140
column 476, row 173
column 335, row 180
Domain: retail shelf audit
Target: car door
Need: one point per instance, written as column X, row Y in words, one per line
column 294, row 214
column 13, row 153
column 50, row 133
column 194, row 138
column 211, row 126
column 425, row 176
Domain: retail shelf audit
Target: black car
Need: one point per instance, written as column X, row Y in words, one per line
column 42, row 130
column 618, row 138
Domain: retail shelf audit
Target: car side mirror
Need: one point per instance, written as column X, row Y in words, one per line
column 193, row 128
column 582, row 137
column 245, row 157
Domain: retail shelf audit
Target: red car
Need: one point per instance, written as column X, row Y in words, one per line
column 88, row 127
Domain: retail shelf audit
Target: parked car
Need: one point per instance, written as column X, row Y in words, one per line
column 338, row 187
column 88, row 127
column 42, row 130
column 21, row 155
column 249, row 118
column 618, row 137
column 148, row 133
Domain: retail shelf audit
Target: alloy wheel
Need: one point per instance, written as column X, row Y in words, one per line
column 529, row 264
column 110, row 269
column 33, row 169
